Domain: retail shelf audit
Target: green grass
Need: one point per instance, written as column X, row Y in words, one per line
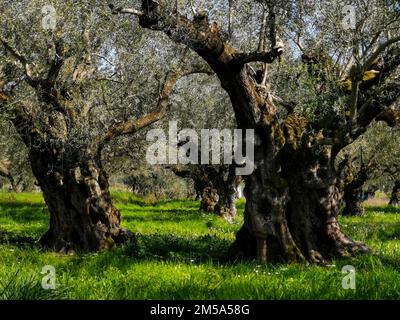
column 181, row 255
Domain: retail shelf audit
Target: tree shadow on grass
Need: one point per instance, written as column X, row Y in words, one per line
column 193, row 249
column 392, row 261
column 391, row 232
column 23, row 213
column 165, row 216
column 383, row 209
column 16, row 239
column 158, row 248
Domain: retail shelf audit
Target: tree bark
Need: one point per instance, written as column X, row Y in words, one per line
column 82, row 215
column 395, row 197
column 209, row 199
column 353, row 203
column 6, row 173
column 226, row 205
column 227, row 184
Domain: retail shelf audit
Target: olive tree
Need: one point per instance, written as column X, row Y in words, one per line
column 306, row 101
column 70, row 87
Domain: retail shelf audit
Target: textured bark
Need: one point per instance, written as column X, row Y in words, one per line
column 227, row 185
column 292, row 216
column 395, row 197
column 226, row 205
column 82, row 216
column 353, row 204
column 209, row 199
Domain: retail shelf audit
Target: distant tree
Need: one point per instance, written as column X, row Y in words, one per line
column 374, row 164
column 395, row 196
column 215, row 185
column 355, row 177
column 157, row 183
column 14, row 166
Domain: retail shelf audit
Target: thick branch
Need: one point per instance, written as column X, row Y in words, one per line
column 266, row 57
column 197, row 34
column 121, row 10
column 379, row 105
column 57, row 62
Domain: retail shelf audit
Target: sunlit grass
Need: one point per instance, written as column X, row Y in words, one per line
column 182, row 255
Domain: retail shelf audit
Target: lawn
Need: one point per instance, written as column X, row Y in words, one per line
column 182, row 255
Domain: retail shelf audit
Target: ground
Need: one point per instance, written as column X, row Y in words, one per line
column 182, row 255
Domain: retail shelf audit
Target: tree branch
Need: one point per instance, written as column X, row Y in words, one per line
column 133, row 126
column 266, row 57
column 197, row 34
column 121, row 10
column 4, row 170
column 378, row 51
column 379, row 105
column 57, row 62
column 14, row 52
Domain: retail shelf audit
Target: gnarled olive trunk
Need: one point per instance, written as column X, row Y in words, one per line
column 291, row 212
column 227, row 192
column 226, row 205
column 209, row 199
column 82, row 215
column 216, row 187
column 395, row 197
column 221, row 200
column 353, row 194
column 353, row 204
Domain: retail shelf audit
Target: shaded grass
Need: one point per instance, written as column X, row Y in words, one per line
column 181, row 255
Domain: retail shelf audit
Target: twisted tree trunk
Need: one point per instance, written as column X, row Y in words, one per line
column 292, row 215
column 353, row 194
column 395, row 198
column 216, row 187
column 226, row 205
column 82, row 215
column 209, row 199
column 353, row 203
column 227, row 185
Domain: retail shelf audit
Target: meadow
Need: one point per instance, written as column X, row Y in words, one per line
column 182, row 254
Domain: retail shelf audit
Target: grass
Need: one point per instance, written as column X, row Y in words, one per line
column 181, row 256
